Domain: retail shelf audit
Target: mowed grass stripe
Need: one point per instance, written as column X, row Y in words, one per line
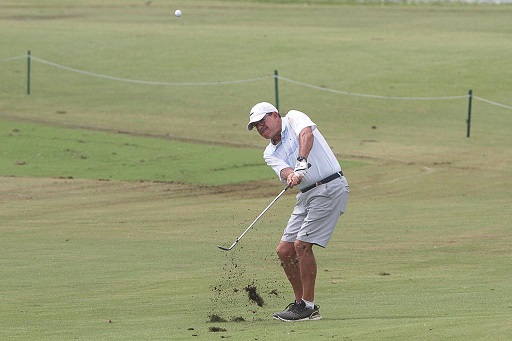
column 45, row 151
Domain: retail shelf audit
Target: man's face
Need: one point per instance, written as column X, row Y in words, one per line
column 269, row 126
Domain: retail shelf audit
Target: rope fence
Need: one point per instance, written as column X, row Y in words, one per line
column 348, row 93
column 13, row 58
column 493, row 103
column 127, row 80
column 275, row 76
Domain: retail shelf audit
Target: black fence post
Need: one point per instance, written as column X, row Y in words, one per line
column 470, row 97
column 28, row 72
column 276, row 89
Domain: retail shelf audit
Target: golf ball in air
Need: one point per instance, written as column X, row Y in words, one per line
column 177, row 13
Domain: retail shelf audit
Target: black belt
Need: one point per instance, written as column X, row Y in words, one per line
column 323, row 181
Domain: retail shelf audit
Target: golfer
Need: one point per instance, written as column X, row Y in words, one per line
column 301, row 158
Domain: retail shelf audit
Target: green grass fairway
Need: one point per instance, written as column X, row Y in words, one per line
column 114, row 195
column 70, row 153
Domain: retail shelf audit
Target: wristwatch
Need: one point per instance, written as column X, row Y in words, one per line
column 302, row 158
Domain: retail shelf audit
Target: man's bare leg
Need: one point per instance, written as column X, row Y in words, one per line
column 288, row 256
column 307, row 269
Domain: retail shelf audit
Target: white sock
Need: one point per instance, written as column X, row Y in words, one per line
column 309, row 304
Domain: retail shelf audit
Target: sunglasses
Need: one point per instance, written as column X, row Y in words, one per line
column 262, row 121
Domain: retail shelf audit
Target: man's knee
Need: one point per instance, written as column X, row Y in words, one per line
column 302, row 247
column 286, row 251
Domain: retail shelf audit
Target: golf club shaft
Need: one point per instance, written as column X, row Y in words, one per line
column 255, row 220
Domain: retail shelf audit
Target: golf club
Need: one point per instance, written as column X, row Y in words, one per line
column 254, row 222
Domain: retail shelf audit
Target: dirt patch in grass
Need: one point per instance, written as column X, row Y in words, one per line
column 216, row 318
column 254, row 297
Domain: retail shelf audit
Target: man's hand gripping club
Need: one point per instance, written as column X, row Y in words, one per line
column 300, row 170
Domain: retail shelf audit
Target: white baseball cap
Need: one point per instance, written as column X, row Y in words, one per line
column 258, row 112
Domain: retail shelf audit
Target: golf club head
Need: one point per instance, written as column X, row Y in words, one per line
column 226, row 248
column 223, row 248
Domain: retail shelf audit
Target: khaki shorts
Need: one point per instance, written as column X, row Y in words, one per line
column 317, row 212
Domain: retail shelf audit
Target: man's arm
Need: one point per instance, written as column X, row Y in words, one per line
column 305, row 141
column 305, row 145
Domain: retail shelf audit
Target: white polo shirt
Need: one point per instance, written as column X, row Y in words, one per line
column 285, row 153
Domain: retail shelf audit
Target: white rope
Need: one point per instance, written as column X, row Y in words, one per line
column 348, row 93
column 13, row 58
column 87, row 73
column 493, row 103
column 316, row 87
